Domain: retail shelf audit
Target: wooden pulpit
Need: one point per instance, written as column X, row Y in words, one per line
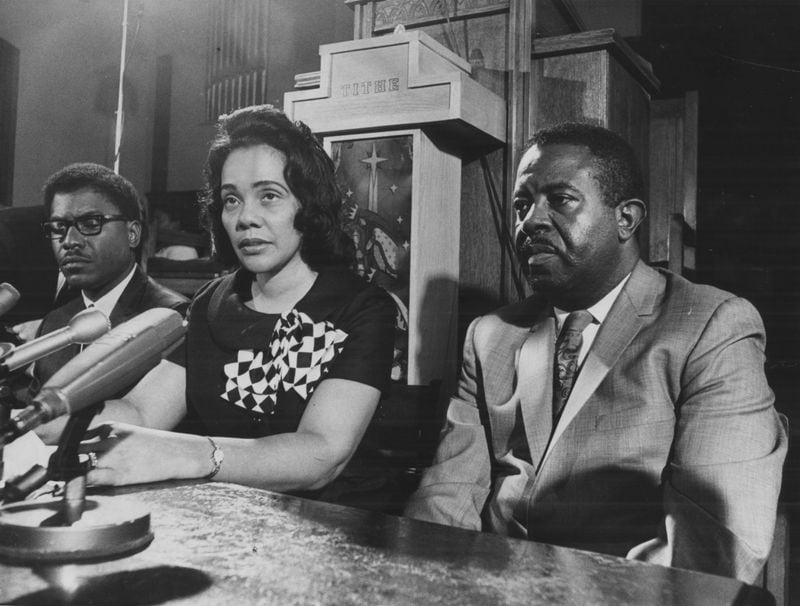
column 398, row 114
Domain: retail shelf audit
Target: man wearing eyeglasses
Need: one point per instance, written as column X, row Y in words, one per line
column 96, row 225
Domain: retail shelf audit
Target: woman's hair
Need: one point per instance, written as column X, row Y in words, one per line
column 309, row 173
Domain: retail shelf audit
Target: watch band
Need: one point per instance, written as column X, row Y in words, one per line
column 217, row 456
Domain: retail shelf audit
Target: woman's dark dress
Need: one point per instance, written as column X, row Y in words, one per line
column 247, row 378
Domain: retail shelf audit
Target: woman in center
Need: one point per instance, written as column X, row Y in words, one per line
column 286, row 357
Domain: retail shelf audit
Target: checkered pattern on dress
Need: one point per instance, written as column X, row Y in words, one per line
column 297, row 357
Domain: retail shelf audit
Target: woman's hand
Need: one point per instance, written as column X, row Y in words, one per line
column 127, row 454
column 329, row 433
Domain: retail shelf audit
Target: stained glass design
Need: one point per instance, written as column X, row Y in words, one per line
column 375, row 178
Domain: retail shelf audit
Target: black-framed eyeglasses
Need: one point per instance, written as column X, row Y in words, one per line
column 88, row 225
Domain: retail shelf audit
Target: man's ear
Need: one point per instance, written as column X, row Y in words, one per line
column 630, row 214
column 134, row 233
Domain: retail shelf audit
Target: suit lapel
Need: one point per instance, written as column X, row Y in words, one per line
column 128, row 301
column 535, row 372
column 625, row 319
column 57, row 319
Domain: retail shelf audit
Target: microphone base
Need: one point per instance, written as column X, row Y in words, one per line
column 31, row 532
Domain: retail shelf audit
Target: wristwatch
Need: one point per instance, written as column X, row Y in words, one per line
column 217, row 457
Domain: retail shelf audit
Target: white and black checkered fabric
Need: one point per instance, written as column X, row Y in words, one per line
column 296, row 358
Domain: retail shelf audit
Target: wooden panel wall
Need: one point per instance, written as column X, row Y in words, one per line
column 9, row 84
column 673, row 181
column 569, row 88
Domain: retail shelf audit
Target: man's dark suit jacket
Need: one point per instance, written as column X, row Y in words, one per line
column 141, row 293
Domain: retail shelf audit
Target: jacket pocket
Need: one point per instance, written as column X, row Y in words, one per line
column 633, row 416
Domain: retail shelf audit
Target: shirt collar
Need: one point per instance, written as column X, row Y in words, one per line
column 599, row 310
column 108, row 301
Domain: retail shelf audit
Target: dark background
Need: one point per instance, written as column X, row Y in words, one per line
column 744, row 59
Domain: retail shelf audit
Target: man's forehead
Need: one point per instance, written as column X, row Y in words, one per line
column 554, row 157
column 81, row 202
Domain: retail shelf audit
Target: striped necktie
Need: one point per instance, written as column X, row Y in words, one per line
column 568, row 347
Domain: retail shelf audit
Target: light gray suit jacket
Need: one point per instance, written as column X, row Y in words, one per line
column 670, row 449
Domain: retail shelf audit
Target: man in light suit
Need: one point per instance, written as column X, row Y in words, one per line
column 666, row 447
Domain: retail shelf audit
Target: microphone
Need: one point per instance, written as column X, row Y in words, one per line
column 114, row 361
column 9, row 296
column 84, row 328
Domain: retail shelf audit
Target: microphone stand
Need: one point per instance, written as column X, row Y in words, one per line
column 65, row 466
column 7, row 401
column 48, row 530
column 81, row 527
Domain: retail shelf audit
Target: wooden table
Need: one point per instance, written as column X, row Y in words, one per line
column 226, row 544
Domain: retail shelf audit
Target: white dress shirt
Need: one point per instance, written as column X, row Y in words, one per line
column 108, row 301
column 599, row 312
